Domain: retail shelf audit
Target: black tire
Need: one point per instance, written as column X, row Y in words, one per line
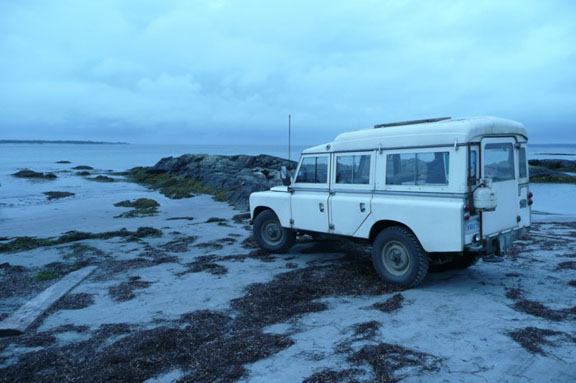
column 270, row 235
column 399, row 258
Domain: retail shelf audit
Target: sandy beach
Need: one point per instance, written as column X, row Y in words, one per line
column 193, row 300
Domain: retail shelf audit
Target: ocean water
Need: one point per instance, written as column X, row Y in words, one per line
column 550, row 198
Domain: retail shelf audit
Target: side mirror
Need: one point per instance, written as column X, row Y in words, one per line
column 284, row 176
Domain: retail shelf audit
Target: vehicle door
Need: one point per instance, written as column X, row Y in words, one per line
column 309, row 198
column 499, row 159
column 351, row 191
column 523, row 187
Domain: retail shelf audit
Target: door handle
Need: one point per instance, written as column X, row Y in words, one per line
column 321, row 206
column 362, row 207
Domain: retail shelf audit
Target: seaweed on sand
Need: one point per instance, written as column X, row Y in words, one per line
column 29, row 243
column 535, row 308
column 390, row 305
column 205, row 263
column 57, row 195
column 298, row 291
column 142, row 207
column 208, row 346
column 386, row 359
column 179, row 245
column 533, row 338
column 125, row 291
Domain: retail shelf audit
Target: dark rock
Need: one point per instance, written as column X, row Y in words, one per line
column 83, row 173
column 63, row 162
column 83, row 167
column 555, row 164
column 101, row 179
column 230, row 178
column 27, row 173
column 56, row 195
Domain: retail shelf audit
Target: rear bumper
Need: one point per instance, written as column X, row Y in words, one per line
column 498, row 243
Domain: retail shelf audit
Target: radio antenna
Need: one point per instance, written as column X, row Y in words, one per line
column 289, row 135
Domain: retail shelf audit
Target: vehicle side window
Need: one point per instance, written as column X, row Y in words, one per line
column 313, row 170
column 353, row 169
column 522, row 160
column 418, row 168
column 499, row 162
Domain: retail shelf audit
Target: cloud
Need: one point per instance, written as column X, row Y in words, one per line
column 229, row 71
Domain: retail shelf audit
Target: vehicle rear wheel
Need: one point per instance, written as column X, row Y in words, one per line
column 399, row 258
column 270, row 235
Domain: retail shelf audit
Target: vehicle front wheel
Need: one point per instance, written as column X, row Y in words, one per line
column 399, row 258
column 270, row 235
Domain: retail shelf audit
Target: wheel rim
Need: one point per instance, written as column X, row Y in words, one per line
column 395, row 258
column 272, row 232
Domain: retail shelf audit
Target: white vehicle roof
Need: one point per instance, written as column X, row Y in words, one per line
column 445, row 132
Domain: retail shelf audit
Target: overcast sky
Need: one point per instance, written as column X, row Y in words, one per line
column 231, row 71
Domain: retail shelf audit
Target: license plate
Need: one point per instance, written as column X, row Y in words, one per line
column 472, row 225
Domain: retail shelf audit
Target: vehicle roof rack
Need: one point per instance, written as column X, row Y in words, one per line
column 413, row 122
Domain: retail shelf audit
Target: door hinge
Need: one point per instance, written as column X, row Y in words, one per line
column 291, row 221
column 331, row 226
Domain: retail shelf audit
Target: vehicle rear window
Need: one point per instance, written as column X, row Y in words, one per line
column 313, row 170
column 473, row 162
column 418, row 168
column 499, row 162
column 523, row 166
column 354, row 169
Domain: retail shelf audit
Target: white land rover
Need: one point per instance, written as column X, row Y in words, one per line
column 438, row 191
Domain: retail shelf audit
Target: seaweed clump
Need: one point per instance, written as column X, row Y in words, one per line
column 57, row 195
column 208, row 346
column 533, row 338
column 29, row 243
column 141, row 207
column 390, row 305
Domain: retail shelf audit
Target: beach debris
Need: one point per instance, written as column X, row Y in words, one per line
column 180, row 218
column 390, row 305
column 205, row 263
column 74, row 302
column 26, row 315
column 29, row 243
column 241, row 218
column 215, row 219
column 57, row 194
column 27, row 173
column 568, row 265
column 125, row 290
column 215, row 245
column 535, row 308
column 179, row 245
column 533, row 338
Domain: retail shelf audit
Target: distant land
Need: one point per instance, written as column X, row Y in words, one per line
column 61, row 142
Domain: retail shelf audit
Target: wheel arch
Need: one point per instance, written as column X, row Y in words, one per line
column 378, row 226
column 259, row 209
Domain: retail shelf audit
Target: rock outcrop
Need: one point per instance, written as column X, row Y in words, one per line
column 231, row 177
column 553, row 171
column 27, row 173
